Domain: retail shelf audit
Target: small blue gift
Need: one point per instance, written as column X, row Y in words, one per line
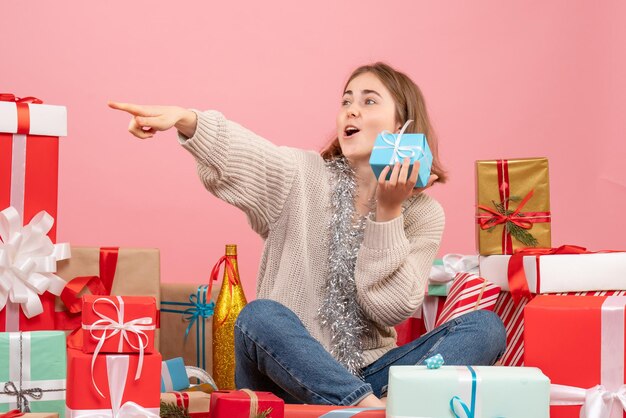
column 174, row 375
column 392, row 148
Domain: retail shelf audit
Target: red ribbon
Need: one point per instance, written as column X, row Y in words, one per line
column 518, row 283
column 97, row 285
column 524, row 220
column 23, row 111
column 182, row 400
column 232, row 279
column 12, row 414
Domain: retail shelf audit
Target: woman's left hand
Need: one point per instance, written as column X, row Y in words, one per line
column 391, row 193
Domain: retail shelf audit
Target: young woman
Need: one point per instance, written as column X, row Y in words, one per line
column 347, row 255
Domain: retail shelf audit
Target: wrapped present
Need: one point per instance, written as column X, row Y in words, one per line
column 195, row 404
column 187, row 323
column 106, row 271
column 29, row 156
column 444, row 270
column 564, row 269
column 513, row 205
column 330, row 411
column 28, row 261
column 33, row 371
column 244, row 403
column 118, row 324
column 472, row 391
column 118, row 385
column 579, row 344
column 512, row 314
column 468, row 293
column 174, row 375
column 392, row 148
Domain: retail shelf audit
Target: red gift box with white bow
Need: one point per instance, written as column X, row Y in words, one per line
column 118, row 324
column 578, row 342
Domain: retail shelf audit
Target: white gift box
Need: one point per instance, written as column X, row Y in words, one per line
column 555, row 273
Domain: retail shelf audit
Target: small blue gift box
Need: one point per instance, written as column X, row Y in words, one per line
column 174, row 375
column 392, row 148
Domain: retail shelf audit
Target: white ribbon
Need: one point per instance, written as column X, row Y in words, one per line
column 608, row 399
column 28, row 261
column 452, row 265
column 117, row 371
column 106, row 324
column 404, row 151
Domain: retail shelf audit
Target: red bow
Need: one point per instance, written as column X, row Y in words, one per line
column 8, row 97
column 12, row 414
column 232, row 279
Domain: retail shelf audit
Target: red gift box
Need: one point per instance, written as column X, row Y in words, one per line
column 329, row 411
column 237, row 404
column 113, row 384
column 578, row 342
column 29, row 155
column 468, row 292
column 512, row 314
column 118, row 324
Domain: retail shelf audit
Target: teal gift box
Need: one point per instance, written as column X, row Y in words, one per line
column 174, row 375
column 32, row 366
column 472, row 391
column 392, row 148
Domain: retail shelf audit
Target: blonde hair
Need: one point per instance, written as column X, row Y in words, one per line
column 410, row 104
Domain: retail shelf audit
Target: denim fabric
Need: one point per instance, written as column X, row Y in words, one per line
column 274, row 352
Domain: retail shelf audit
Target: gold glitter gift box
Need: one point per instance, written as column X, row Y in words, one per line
column 512, row 205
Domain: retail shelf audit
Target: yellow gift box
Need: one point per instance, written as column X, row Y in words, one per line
column 512, row 205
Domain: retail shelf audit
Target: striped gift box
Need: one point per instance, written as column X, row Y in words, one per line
column 513, row 317
column 468, row 293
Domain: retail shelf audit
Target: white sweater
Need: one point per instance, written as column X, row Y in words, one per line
column 285, row 193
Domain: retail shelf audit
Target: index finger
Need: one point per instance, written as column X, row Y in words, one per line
column 133, row 109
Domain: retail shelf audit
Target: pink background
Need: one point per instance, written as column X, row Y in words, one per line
column 502, row 80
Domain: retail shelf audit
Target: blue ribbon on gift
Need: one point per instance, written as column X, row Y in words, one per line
column 197, row 307
column 470, row 411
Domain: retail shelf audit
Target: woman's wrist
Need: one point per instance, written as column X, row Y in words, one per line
column 386, row 214
column 187, row 123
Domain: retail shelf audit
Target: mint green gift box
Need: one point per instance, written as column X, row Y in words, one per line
column 473, row 392
column 33, row 364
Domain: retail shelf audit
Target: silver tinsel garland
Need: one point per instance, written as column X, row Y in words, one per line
column 340, row 311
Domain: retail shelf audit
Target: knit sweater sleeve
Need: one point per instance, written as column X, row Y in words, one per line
column 394, row 262
column 242, row 168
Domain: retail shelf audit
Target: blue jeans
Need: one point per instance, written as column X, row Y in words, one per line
column 275, row 353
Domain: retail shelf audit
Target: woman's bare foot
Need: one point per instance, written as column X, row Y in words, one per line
column 370, row 401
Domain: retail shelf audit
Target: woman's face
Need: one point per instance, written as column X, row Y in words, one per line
column 367, row 109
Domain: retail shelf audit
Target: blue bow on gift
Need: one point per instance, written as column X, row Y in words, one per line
column 197, row 308
column 470, row 412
